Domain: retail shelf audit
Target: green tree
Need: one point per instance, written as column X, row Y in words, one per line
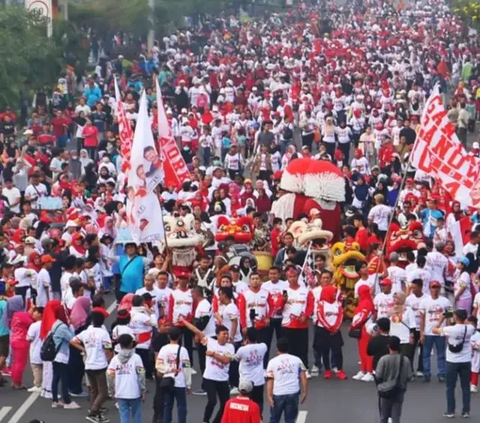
column 28, row 55
column 469, row 11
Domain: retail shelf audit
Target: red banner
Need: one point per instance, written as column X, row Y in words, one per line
column 174, row 166
column 125, row 131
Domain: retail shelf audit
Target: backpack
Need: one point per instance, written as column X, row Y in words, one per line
column 49, row 351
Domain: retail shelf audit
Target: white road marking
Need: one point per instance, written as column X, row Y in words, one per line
column 112, row 307
column 4, row 411
column 302, row 417
column 24, row 407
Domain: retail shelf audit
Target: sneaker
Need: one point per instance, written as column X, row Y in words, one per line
column 449, row 415
column 466, row 415
column 341, row 375
column 234, row 391
column 368, row 378
column 335, row 369
column 72, row 406
column 328, row 374
column 419, row 374
column 315, row 371
column 359, row 375
column 200, row 392
column 7, row 372
column 308, row 374
column 82, row 394
column 473, row 389
column 58, row 404
column 193, row 371
column 116, row 405
column 93, row 418
column 102, row 419
column 441, row 379
column 34, row 389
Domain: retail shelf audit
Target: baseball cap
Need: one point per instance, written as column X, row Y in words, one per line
column 183, row 275
column 465, row 261
column 100, row 310
column 48, row 259
column 245, row 386
column 435, row 284
column 30, row 240
column 234, row 268
column 386, row 281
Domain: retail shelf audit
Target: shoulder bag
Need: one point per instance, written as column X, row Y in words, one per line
column 168, row 383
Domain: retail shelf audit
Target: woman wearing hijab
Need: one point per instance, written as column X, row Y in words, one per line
column 34, row 261
column 361, row 194
column 126, row 303
column 402, row 323
column 62, row 335
column 79, row 318
column 328, row 337
column 462, row 286
column 18, row 320
column 48, row 319
column 382, row 189
column 362, row 317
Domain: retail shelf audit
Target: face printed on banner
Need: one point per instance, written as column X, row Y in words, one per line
column 475, row 194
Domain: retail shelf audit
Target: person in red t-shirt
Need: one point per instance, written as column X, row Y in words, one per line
column 242, row 409
column 90, row 134
column 361, row 237
column 60, row 128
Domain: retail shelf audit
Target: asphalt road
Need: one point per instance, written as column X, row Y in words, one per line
column 330, row 401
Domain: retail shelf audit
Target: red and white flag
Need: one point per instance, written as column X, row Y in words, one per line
column 125, row 131
column 439, row 153
column 460, row 233
column 174, row 166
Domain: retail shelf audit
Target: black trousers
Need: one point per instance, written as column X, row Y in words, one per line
column 257, row 396
column 22, row 290
column 187, row 342
column 233, row 376
column 330, row 147
column 144, row 354
column 307, row 140
column 213, row 389
column 76, row 370
column 414, row 348
column 158, row 401
column 325, row 344
column 345, row 148
column 201, row 351
column 298, row 343
column 275, row 327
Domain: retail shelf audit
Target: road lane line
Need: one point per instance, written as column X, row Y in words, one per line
column 4, row 411
column 302, row 417
column 24, row 407
column 112, row 307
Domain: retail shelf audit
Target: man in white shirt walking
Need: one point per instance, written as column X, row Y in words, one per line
column 287, row 384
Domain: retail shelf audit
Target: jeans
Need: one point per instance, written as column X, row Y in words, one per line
column 124, row 407
column 60, row 374
column 287, row 404
column 206, row 152
column 463, row 370
column 179, row 395
column 213, row 389
column 439, row 342
column 390, row 407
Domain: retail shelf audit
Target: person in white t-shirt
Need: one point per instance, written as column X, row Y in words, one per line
column 462, row 285
column 96, row 344
column 44, row 283
column 251, row 357
column 433, row 308
column 413, row 301
column 380, row 214
column 173, row 362
column 36, row 363
column 126, row 380
column 216, row 375
column 476, row 309
column 397, row 275
column 459, row 360
column 402, row 323
column 13, row 196
column 384, row 300
column 287, row 384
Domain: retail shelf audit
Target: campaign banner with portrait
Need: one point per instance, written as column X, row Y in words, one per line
column 144, row 214
column 438, row 152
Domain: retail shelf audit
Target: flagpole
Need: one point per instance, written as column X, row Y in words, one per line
column 309, row 252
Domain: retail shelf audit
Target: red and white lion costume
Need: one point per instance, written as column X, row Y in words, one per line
column 315, row 188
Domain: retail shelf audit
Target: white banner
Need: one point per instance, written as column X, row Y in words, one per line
column 438, row 152
column 45, row 9
column 144, row 215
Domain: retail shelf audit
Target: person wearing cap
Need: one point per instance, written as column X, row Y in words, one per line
column 126, row 380
column 35, row 190
column 96, row 344
column 383, row 300
column 242, row 409
column 458, row 359
column 432, row 311
column 462, row 289
column 287, row 384
column 44, row 281
column 392, row 375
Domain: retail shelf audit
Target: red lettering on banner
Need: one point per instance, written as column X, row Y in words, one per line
column 438, row 117
column 448, row 130
column 456, row 159
column 442, row 147
column 422, row 163
column 452, row 188
column 428, row 136
column 472, row 169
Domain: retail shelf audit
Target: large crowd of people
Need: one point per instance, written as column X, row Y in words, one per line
column 244, row 99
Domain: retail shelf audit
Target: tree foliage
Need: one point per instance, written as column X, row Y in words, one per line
column 27, row 54
column 468, row 10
